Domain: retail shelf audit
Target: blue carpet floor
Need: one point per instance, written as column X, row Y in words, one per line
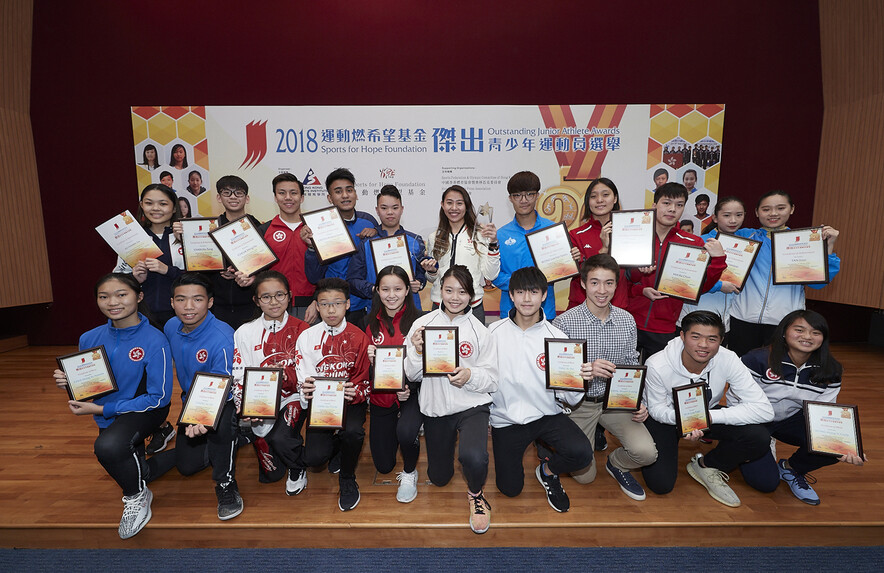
column 508, row 560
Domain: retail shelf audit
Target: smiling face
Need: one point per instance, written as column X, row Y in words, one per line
column 167, row 181
column 195, row 181
column 454, row 207
column 392, row 292
column 342, row 194
column 690, row 180
column 157, row 207
column 730, row 216
column 288, row 197
column 178, row 156
column 599, row 286
column 233, row 203
column 277, row 296
column 773, row 212
column 669, row 211
column 701, row 344
column 389, row 211
column 117, row 301
column 701, row 209
column 454, row 296
column 528, row 302
column 191, row 304
column 601, row 200
column 151, row 156
column 802, row 338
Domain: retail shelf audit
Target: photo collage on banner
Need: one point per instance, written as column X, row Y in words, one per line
column 425, row 149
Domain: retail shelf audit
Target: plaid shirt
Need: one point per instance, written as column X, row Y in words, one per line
column 613, row 340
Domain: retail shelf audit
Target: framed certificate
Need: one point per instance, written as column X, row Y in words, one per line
column 551, row 250
column 89, row 374
column 128, row 239
column 564, row 357
column 441, row 344
column 200, row 251
column 387, row 251
column 741, row 255
column 682, row 272
column 328, row 406
column 331, row 239
column 241, row 242
column 799, row 257
column 206, row 399
column 624, row 390
column 260, row 392
column 388, row 371
column 832, row 429
column 691, row 408
column 632, row 237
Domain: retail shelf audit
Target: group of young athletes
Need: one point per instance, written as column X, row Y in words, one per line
column 325, row 320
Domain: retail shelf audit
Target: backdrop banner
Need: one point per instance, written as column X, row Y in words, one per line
column 425, row 149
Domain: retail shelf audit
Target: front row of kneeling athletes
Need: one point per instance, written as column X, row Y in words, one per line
column 500, row 379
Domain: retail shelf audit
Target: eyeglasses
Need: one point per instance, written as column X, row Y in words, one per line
column 524, row 196
column 280, row 296
column 333, row 304
column 228, row 193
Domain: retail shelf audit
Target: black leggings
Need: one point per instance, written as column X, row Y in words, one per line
column 736, row 445
column 321, row 445
column 393, row 428
column 191, row 455
column 469, row 431
column 120, row 447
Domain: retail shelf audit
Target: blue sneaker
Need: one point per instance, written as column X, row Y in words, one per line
column 627, row 483
column 799, row 484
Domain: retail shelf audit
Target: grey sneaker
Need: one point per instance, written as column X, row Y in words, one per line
column 295, row 481
column 136, row 512
column 715, row 482
column 407, row 487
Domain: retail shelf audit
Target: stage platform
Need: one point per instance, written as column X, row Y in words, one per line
column 54, row 494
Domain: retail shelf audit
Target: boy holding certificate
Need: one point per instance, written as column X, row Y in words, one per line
column 610, row 336
column 202, row 343
column 336, row 348
column 695, row 357
column 655, row 313
column 523, row 189
column 362, row 274
column 285, row 235
column 341, row 187
column 523, row 408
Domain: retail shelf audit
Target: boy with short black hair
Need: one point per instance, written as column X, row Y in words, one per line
column 202, row 343
column 341, row 187
column 335, row 348
column 655, row 313
column 610, row 336
column 362, row 275
column 696, row 357
column 523, row 408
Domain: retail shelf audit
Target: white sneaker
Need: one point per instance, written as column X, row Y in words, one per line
column 136, row 512
column 407, row 486
column 296, row 485
column 715, row 482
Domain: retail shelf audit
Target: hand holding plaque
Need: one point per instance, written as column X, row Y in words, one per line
column 800, row 256
column 388, row 370
column 833, row 429
column 632, row 237
column 88, row 374
column 623, row 391
column 440, row 350
column 330, row 237
column 261, row 393
column 200, row 251
column 205, row 400
column 328, row 404
column 386, row 251
column 128, row 239
column 551, row 250
column 564, row 358
column 691, row 408
column 682, row 273
column 741, row 254
column 241, row 242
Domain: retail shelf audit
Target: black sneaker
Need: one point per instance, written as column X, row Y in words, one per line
column 229, row 501
column 349, row 495
column 601, row 442
column 160, row 438
column 555, row 493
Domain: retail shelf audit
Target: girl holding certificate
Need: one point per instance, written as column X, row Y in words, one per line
column 762, row 304
column 453, row 244
column 797, row 366
column 269, row 342
column 594, row 236
column 727, row 218
column 456, row 405
column 157, row 211
column 141, row 363
column 396, row 418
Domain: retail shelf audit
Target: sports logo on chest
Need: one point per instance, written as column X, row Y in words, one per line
column 136, row 354
column 279, row 236
column 202, row 355
column 466, row 349
column 540, row 361
column 771, row 375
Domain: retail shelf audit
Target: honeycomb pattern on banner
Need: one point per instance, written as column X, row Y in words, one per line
column 164, row 126
column 675, row 128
